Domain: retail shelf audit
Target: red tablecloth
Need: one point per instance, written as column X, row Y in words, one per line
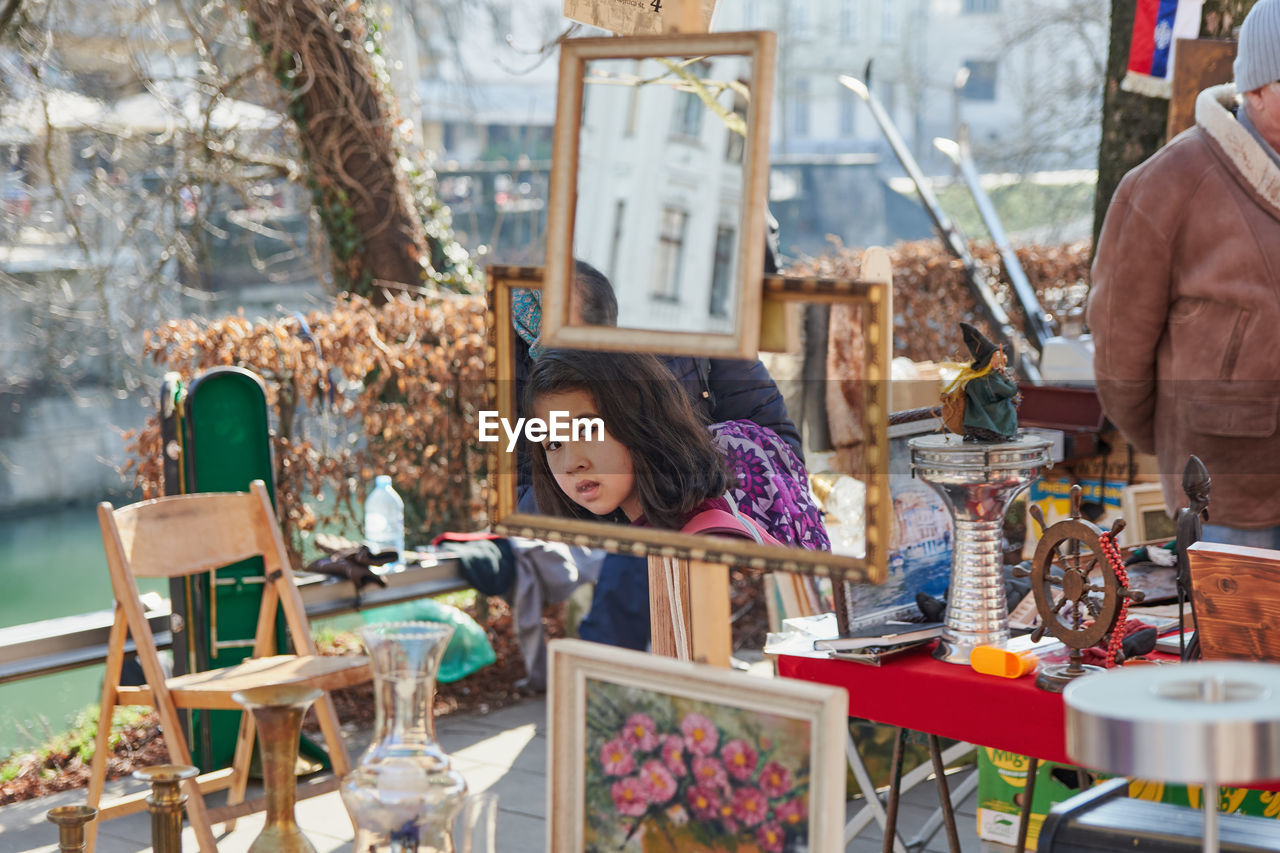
column 919, row 692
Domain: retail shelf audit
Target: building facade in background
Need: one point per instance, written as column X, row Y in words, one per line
column 492, row 99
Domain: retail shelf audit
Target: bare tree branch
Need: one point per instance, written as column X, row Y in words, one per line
column 7, row 14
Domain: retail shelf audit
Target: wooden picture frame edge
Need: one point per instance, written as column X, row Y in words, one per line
column 572, row 662
column 743, row 340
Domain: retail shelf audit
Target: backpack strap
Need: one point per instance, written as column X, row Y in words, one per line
column 717, row 521
column 750, row 525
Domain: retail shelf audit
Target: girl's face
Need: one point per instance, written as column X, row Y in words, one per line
column 595, row 474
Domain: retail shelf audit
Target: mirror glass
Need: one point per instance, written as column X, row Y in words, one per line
column 659, row 180
column 841, row 425
column 660, row 187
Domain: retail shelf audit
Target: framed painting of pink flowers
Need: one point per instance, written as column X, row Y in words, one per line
column 653, row 755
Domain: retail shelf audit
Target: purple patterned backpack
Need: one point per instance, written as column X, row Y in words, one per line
column 772, row 484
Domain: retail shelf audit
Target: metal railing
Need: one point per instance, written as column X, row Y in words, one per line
column 70, row 642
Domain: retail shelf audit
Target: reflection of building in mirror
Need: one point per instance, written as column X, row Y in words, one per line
column 660, row 183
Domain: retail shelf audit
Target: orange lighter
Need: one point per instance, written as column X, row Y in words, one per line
column 994, row 660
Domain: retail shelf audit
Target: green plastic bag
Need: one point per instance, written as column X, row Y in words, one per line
column 469, row 649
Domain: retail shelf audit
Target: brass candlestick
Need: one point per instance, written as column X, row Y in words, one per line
column 71, row 821
column 165, row 803
column 277, row 712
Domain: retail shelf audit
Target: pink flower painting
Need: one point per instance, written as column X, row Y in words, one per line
column 710, row 771
column 750, row 806
column 693, row 774
column 771, row 837
column 739, row 759
column 775, row 780
column 792, row 812
column 700, row 735
column 629, row 796
column 661, row 787
column 673, row 754
column 640, row 732
column 617, row 758
column 704, row 802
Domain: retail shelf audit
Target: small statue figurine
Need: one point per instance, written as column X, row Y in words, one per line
column 990, row 395
column 1195, row 484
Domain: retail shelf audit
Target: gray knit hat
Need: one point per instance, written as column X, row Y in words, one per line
column 1258, row 56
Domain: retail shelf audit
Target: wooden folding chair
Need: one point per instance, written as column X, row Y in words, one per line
column 182, row 535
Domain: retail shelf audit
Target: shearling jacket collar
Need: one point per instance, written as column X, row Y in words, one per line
column 1215, row 112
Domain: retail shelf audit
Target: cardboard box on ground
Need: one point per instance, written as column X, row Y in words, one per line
column 1102, row 477
column 1245, row 801
column 1002, row 785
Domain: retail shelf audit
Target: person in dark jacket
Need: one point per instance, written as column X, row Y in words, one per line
column 721, row 389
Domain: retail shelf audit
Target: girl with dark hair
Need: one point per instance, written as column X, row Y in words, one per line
column 656, row 461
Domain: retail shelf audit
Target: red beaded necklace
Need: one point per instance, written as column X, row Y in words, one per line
column 1112, row 552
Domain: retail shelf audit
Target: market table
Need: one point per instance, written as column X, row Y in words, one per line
column 923, row 694
column 918, row 692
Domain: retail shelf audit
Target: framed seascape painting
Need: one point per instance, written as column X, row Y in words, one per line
column 653, row 755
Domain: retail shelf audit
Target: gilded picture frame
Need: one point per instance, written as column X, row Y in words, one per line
column 872, row 293
column 742, row 300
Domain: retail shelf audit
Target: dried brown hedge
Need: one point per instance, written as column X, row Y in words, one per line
column 406, row 379
column 930, row 295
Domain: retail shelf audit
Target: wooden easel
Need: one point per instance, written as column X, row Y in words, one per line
column 699, row 630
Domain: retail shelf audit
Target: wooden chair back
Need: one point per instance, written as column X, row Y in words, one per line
column 185, row 534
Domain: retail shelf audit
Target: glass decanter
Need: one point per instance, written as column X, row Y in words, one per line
column 403, row 794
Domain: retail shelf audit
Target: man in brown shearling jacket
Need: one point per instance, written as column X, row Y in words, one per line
column 1185, row 307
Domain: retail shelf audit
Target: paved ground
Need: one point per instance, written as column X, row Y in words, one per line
column 504, row 752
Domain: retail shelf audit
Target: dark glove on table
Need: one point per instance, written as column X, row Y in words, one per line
column 353, row 564
column 1139, row 639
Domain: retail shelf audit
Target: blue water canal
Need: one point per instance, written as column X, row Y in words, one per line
column 52, row 564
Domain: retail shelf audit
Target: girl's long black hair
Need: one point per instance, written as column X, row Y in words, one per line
column 675, row 464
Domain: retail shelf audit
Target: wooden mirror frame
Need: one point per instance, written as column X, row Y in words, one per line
column 874, row 293
column 742, row 340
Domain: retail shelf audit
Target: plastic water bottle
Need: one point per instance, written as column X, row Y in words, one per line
column 384, row 522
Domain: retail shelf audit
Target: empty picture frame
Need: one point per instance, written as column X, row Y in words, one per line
column 659, row 178
column 872, row 295
column 1146, row 519
column 696, row 756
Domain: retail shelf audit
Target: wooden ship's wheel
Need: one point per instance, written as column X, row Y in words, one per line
column 1077, row 589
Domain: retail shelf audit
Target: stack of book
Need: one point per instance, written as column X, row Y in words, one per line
column 873, row 644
